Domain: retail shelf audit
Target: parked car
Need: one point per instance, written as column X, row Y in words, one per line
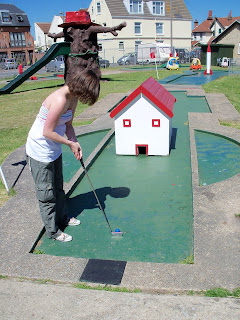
column 104, row 63
column 7, row 63
column 128, row 58
column 219, row 62
column 56, row 65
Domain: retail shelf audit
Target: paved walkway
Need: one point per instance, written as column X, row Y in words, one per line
column 26, row 300
column 216, row 243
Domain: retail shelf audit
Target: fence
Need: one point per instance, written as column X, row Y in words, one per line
column 234, row 66
column 143, row 56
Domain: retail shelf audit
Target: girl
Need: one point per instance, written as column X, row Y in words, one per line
column 43, row 149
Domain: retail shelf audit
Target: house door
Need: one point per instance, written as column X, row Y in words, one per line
column 141, row 149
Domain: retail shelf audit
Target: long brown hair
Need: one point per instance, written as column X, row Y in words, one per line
column 85, row 85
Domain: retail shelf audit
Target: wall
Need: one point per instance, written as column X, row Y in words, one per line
column 141, row 112
column 181, row 33
column 231, row 37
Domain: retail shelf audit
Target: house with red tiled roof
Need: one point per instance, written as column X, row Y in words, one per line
column 211, row 28
column 143, row 121
column 230, row 36
column 202, row 33
column 220, row 24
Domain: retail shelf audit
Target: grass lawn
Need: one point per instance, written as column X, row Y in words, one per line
column 230, row 87
column 19, row 109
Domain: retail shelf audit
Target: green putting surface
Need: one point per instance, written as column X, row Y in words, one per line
column 194, row 77
column 88, row 143
column 148, row 198
column 218, row 157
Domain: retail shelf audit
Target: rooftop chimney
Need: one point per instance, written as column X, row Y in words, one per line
column 210, row 17
column 195, row 23
column 230, row 15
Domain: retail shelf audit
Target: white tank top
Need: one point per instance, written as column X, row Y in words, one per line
column 40, row 148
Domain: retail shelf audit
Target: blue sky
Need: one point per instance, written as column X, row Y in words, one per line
column 44, row 10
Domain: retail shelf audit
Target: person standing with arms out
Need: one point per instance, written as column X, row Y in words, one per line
column 43, row 149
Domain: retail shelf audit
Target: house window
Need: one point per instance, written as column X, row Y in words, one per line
column 121, row 45
column 158, row 8
column 5, row 17
column 219, row 30
column 127, row 122
column 155, row 122
column 159, row 28
column 99, row 47
column 136, row 6
column 17, row 39
column 138, row 28
column 98, row 8
column 20, row 18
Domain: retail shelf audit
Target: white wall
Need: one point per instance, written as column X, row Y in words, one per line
column 55, row 28
column 141, row 111
column 42, row 40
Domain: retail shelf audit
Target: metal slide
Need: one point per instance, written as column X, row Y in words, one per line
column 57, row 49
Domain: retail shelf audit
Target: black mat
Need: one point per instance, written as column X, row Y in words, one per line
column 103, row 271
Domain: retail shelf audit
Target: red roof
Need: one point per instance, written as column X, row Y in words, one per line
column 155, row 92
column 226, row 22
column 203, row 27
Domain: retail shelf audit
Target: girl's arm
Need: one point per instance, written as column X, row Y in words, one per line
column 70, row 133
column 54, row 114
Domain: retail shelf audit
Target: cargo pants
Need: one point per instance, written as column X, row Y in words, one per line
column 48, row 178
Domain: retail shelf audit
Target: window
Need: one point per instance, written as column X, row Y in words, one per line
column 138, row 28
column 220, row 30
column 158, row 8
column 17, row 39
column 98, row 7
column 136, row 6
column 155, row 122
column 121, row 45
column 159, row 28
column 5, row 17
column 100, row 47
column 20, row 18
column 127, row 122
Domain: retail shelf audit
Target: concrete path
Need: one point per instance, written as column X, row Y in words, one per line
column 26, row 300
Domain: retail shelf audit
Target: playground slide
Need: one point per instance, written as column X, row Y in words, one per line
column 57, row 49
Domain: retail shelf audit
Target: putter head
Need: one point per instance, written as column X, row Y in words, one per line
column 117, row 233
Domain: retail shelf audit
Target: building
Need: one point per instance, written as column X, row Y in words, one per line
column 211, row 28
column 147, row 22
column 54, row 28
column 230, row 36
column 143, row 120
column 16, row 40
column 43, row 42
column 202, row 33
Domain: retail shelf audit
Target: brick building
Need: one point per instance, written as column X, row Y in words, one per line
column 16, row 40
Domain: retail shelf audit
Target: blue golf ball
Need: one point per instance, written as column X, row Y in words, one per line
column 117, row 230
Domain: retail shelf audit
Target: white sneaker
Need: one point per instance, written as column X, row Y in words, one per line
column 64, row 237
column 74, row 222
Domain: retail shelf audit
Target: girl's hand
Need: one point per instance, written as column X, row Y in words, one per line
column 76, row 149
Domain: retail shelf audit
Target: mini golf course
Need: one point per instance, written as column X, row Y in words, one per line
column 148, row 198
